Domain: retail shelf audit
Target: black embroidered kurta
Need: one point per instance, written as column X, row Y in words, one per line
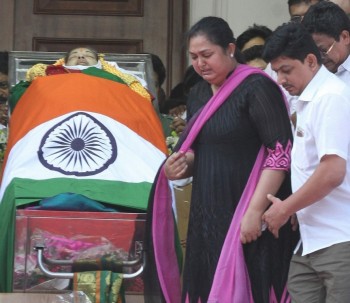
column 225, row 152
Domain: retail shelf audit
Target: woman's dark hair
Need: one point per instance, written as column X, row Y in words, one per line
column 254, row 52
column 291, row 40
column 217, row 32
column 253, row 32
column 159, row 68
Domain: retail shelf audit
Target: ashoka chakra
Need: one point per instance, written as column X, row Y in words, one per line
column 79, row 145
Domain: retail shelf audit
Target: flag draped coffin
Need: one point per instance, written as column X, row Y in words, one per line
column 81, row 134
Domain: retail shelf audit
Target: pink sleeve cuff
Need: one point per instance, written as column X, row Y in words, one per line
column 279, row 158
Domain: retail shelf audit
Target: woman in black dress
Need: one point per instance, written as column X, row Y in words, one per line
column 243, row 147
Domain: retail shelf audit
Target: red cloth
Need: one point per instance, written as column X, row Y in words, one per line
column 59, row 69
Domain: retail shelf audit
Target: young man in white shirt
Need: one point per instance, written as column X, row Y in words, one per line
column 320, row 268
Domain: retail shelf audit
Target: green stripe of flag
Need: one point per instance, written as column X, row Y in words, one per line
column 131, row 195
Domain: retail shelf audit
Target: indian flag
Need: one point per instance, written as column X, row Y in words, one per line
column 80, row 134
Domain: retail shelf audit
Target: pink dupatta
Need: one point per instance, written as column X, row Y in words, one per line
column 231, row 279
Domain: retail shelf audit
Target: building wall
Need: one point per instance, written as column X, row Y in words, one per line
column 241, row 14
column 119, row 26
column 166, row 20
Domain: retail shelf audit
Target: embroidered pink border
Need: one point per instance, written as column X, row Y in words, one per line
column 279, row 158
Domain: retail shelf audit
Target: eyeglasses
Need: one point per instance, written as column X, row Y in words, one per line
column 296, row 18
column 325, row 53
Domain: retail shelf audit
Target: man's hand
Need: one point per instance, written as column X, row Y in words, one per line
column 275, row 216
column 178, row 125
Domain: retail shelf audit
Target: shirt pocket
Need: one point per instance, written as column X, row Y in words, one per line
column 299, row 152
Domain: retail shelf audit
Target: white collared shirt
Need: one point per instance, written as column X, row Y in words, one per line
column 323, row 111
column 343, row 71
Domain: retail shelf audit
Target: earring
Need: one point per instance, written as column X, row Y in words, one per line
column 231, row 55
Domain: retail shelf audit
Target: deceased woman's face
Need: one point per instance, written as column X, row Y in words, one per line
column 81, row 56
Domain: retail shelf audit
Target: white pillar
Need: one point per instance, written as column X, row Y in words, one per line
column 241, row 14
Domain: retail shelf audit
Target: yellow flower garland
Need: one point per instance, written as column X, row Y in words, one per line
column 39, row 70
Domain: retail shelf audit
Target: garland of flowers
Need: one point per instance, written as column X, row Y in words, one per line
column 39, row 70
column 130, row 80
